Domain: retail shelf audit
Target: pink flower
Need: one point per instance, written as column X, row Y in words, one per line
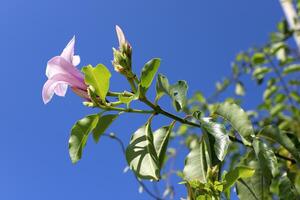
column 62, row 72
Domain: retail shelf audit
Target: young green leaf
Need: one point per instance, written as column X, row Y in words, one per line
column 258, row 58
column 239, row 172
column 221, row 138
column 99, row 78
column 238, row 119
column 161, row 139
column 141, row 155
column 148, row 72
column 260, row 72
column 279, row 136
column 162, row 86
column 291, row 69
column 178, row 93
column 239, row 89
column 103, row 123
column 79, row 135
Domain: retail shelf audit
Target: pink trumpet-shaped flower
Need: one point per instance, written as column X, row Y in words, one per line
column 62, row 72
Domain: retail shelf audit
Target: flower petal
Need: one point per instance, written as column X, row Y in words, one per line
column 68, row 52
column 51, row 85
column 61, row 89
column 59, row 65
column 120, row 35
column 76, row 60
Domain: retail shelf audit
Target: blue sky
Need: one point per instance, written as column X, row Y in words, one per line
column 196, row 40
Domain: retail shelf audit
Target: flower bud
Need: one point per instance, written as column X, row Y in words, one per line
column 122, row 56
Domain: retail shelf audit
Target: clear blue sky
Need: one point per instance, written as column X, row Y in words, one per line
column 195, row 39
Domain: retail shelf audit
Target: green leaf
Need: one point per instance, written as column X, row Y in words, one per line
column 255, row 187
column 277, row 109
column 128, row 99
column 197, row 163
column 141, row 155
column 286, row 188
column 239, row 172
column 239, row 89
column 221, row 138
column 267, row 159
column 161, row 139
column 291, row 68
column 162, row 86
column 178, row 93
column 269, row 92
column 295, row 95
column 258, row 58
column 238, row 119
column 103, row 123
column 260, row 72
column 148, row 72
column 99, row 78
column 275, row 134
column 79, row 135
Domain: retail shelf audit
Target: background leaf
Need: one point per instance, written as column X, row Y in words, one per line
column 275, row 134
column 162, row 86
column 239, row 172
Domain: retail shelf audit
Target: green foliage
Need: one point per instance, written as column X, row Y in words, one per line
column 291, row 69
column 197, row 163
column 238, row 119
column 97, row 77
column 273, row 133
column 79, row 135
column 239, row 172
column 141, row 154
column 161, row 140
column 104, row 122
column 221, row 138
column 148, row 72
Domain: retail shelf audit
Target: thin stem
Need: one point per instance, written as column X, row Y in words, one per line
column 114, row 137
column 129, row 110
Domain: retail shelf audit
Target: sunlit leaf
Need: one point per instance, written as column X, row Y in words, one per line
column 162, row 86
column 197, row 163
column 239, row 89
column 161, row 139
column 79, row 135
column 239, row 172
column 267, row 159
column 238, row 119
column 291, row 69
column 148, row 72
column 221, row 138
column 99, row 78
column 104, row 122
column 141, row 155
column 258, row 58
column 178, row 93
